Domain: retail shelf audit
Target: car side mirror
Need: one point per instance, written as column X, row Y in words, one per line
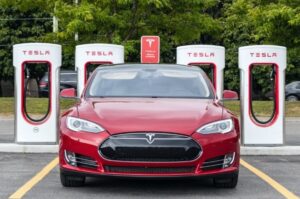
column 230, row 95
column 68, row 93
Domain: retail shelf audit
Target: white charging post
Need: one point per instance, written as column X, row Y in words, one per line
column 28, row 130
column 205, row 56
column 95, row 54
column 256, row 132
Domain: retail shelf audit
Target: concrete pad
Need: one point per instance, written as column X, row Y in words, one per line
column 278, row 150
column 19, row 148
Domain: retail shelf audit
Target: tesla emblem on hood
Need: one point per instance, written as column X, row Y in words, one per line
column 150, row 137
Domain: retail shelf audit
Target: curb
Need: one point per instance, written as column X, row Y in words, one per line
column 276, row 150
column 19, row 148
column 245, row 150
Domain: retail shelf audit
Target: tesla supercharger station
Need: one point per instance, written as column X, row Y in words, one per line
column 205, row 56
column 27, row 129
column 256, row 132
column 95, row 54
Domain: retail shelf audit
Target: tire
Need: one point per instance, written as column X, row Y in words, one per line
column 71, row 180
column 228, row 182
column 292, row 98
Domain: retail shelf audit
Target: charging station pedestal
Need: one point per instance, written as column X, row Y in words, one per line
column 93, row 55
column 27, row 129
column 255, row 131
column 207, row 57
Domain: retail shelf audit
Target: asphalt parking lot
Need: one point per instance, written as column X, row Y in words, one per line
column 17, row 171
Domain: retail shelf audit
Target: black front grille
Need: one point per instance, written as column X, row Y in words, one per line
column 149, row 170
column 213, row 163
column 150, row 147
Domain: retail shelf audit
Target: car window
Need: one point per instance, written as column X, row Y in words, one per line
column 68, row 77
column 298, row 86
column 149, row 83
column 45, row 77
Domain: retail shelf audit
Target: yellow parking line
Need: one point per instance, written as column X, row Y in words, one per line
column 281, row 189
column 33, row 181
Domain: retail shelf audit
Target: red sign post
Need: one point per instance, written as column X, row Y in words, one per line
column 150, row 49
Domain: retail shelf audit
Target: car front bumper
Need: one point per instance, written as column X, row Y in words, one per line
column 87, row 145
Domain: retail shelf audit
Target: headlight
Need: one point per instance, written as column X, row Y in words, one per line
column 222, row 126
column 76, row 124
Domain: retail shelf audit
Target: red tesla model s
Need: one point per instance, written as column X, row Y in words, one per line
column 149, row 120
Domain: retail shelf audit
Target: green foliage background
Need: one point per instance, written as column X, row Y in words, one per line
column 231, row 23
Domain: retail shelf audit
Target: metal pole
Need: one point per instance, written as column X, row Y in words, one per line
column 55, row 24
column 55, row 21
column 76, row 33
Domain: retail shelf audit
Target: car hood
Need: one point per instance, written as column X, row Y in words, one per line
column 121, row 115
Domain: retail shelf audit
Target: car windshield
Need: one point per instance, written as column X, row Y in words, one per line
column 145, row 82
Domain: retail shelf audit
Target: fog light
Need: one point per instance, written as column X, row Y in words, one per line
column 228, row 160
column 70, row 157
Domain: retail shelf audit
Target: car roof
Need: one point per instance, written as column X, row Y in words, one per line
column 150, row 66
column 294, row 82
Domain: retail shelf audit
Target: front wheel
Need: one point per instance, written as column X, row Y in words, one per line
column 71, row 180
column 228, row 182
column 292, row 98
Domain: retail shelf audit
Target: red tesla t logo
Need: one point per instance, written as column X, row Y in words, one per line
column 150, row 46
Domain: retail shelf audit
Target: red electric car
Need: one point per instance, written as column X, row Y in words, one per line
column 149, row 120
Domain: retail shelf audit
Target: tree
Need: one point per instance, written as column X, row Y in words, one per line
column 125, row 21
column 238, row 31
column 229, row 23
column 278, row 22
column 20, row 21
column 275, row 22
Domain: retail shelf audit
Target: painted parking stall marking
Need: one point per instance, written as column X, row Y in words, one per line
column 33, row 181
column 280, row 188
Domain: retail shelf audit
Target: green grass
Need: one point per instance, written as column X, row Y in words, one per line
column 38, row 106
column 35, row 106
column 265, row 108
